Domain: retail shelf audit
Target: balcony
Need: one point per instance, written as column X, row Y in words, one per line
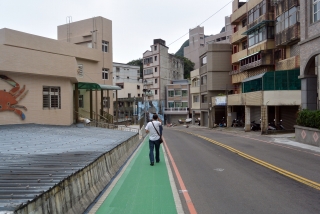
column 203, row 88
column 177, row 110
column 264, row 18
column 237, row 36
column 288, row 64
column 195, row 90
column 256, row 60
column 288, row 35
column 238, row 14
column 237, row 56
column 148, row 83
column 203, row 69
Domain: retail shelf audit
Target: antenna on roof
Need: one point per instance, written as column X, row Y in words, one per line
column 68, row 21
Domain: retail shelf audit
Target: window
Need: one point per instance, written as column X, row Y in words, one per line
column 171, row 93
column 195, row 82
column 204, row 80
column 261, row 34
column 287, row 19
column 244, row 45
column 138, row 95
column 185, row 104
column 129, row 95
column 204, row 98
column 80, row 70
column 138, row 86
column 171, row 104
column 106, row 101
column 177, row 104
column 117, row 77
column 155, row 69
column 203, row 60
column 81, row 101
column 127, row 77
column 195, row 98
column 105, row 72
column 177, row 93
column 155, row 58
column 155, row 47
column 316, row 10
column 148, row 71
column 148, row 60
column 105, row 46
column 184, row 93
column 201, row 37
column 244, row 22
column 257, row 11
column 117, row 69
column 51, row 97
column 155, row 80
column 156, row 92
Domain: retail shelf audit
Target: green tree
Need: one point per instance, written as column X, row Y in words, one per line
column 137, row 62
column 187, row 68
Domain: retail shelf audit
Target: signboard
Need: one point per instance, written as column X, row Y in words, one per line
column 221, row 101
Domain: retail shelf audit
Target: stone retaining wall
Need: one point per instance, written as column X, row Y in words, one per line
column 75, row 193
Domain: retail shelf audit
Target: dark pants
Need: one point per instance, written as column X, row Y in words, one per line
column 154, row 144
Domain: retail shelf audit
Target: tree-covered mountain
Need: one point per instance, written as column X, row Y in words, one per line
column 180, row 52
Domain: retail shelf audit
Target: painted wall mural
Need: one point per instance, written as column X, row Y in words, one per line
column 9, row 100
column 154, row 106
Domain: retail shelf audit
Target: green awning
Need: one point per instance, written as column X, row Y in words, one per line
column 249, row 55
column 252, row 29
column 96, row 86
column 253, row 77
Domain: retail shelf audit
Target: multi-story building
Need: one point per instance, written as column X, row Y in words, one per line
column 264, row 69
column 178, row 101
column 195, row 95
column 214, row 80
column 160, row 68
column 198, row 41
column 94, row 33
column 48, row 81
column 310, row 53
column 127, row 77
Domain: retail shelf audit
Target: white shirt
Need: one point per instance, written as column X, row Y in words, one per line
column 153, row 133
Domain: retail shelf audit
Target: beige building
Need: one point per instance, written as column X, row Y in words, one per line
column 214, row 81
column 47, row 81
column 265, row 63
column 198, row 41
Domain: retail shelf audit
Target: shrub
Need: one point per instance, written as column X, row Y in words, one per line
column 309, row 118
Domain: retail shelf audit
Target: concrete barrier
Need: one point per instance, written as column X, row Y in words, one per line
column 307, row 135
column 75, row 193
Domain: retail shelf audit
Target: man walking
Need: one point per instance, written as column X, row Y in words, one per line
column 153, row 128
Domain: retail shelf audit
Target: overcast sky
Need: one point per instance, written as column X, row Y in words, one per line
column 135, row 22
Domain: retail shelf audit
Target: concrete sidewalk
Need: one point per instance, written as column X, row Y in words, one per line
column 141, row 188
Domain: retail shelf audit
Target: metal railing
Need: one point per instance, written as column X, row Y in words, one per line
column 177, row 109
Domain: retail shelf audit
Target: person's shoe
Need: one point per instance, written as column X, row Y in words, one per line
column 152, row 163
column 157, row 161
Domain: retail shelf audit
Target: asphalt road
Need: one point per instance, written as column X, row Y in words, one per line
column 221, row 181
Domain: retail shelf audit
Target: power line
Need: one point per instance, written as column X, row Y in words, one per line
column 203, row 21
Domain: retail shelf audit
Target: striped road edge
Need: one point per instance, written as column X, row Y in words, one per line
column 175, row 193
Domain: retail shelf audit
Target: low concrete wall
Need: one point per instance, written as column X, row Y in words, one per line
column 307, row 135
column 75, row 193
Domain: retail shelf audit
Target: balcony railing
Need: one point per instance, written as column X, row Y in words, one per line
column 238, row 35
column 288, row 64
column 288, row 35
column 236, row 56
column 176, row 109
column 251, row 65
column 238, row 14
column 265, row 17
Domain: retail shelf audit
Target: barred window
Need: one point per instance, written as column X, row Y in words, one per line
column 51, row 97
column 105, row 74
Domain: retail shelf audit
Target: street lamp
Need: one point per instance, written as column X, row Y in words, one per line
column 145, row 90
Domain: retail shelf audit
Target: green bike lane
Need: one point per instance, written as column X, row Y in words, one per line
column 141, row 188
